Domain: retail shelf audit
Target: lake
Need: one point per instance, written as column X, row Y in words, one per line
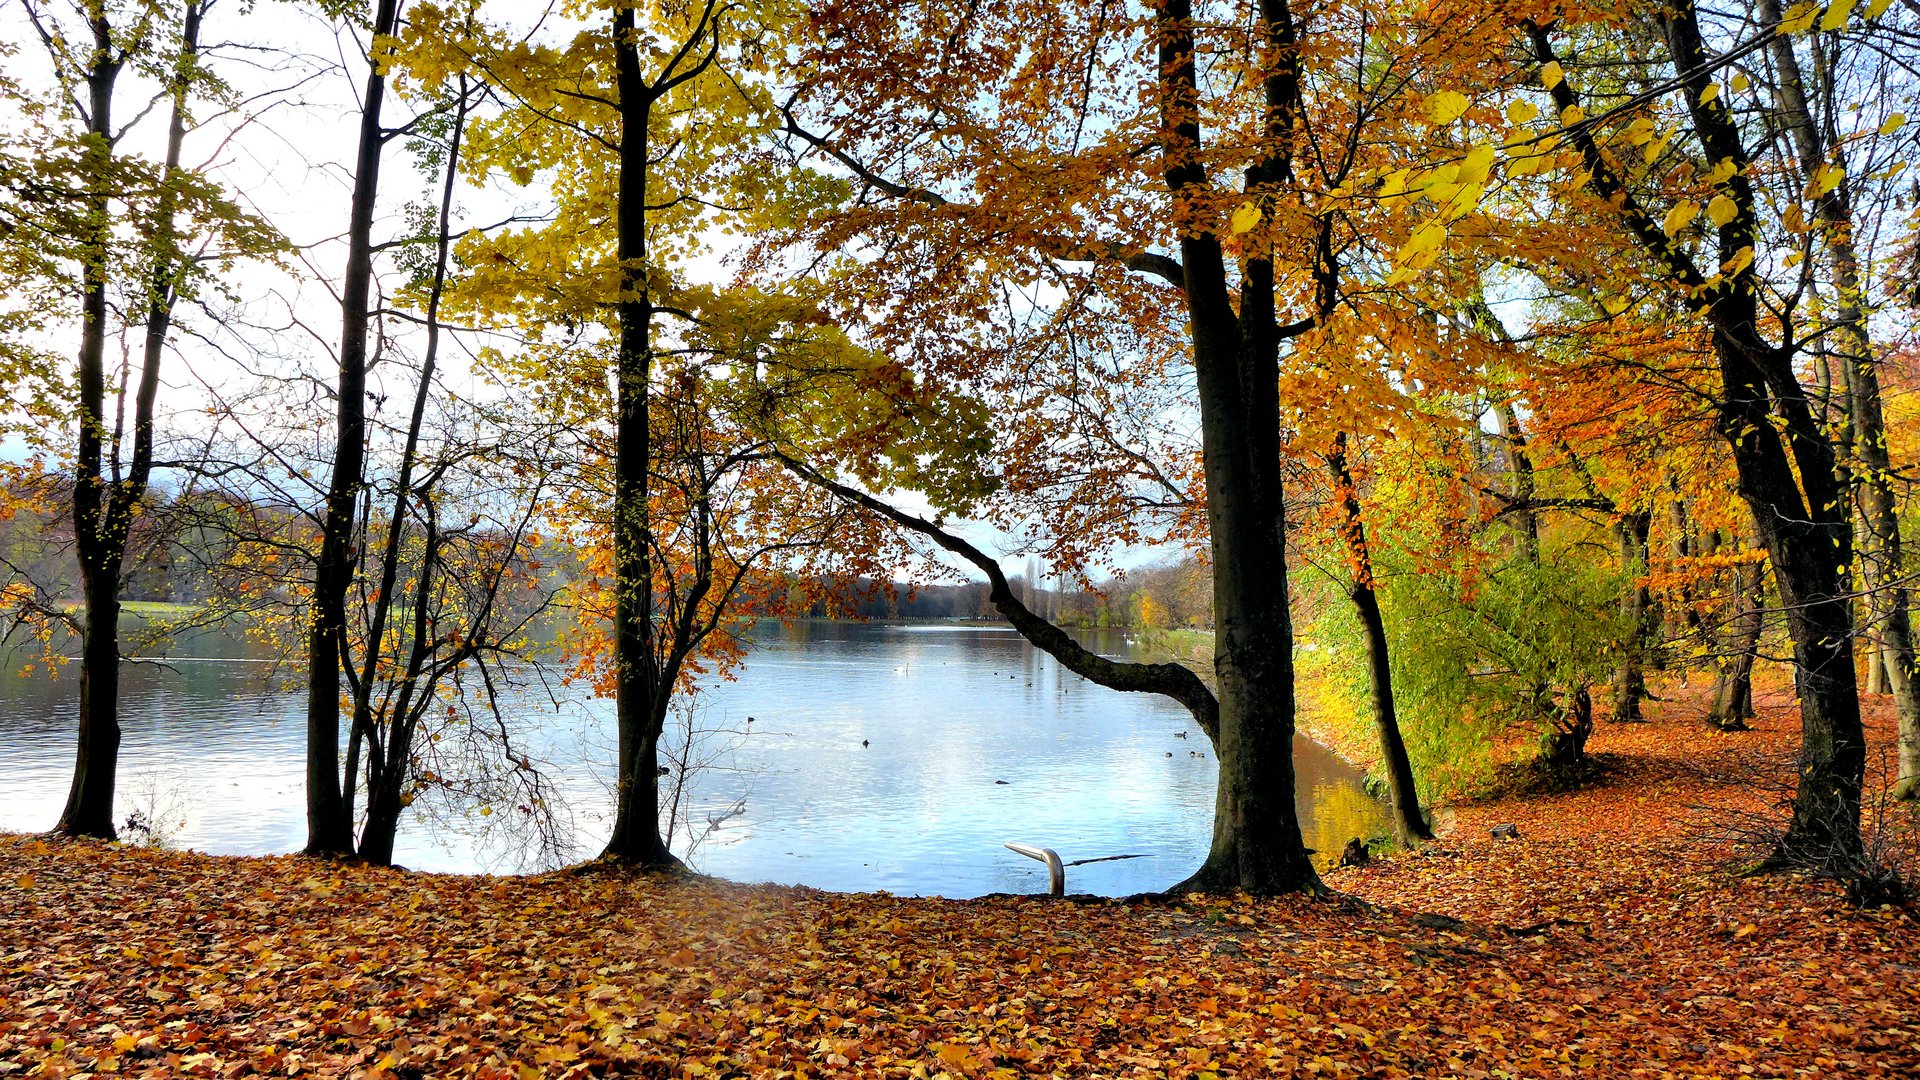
column 843, row 756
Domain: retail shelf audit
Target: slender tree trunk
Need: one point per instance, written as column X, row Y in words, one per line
column 1520, row 470
column 636, row 836
column 105, row 507
column 384, row 806
column 329, row 818
column 1629, row 678
column 89, row 809
column 388, row 763
column 1404, row 793
column 1733, row 685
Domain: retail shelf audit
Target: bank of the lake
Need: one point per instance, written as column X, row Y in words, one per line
column 1607, row 941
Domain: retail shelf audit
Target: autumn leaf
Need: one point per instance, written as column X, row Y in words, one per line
column 1680, row 216
column 1445, row 106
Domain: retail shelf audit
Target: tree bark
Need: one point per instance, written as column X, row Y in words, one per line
column 1520, row 467
column 1733, row 683
column 89, row 808
column 395, row 751
column 1629, row 678
column 329, row 818
column 1257, row 845
column 1404, row 793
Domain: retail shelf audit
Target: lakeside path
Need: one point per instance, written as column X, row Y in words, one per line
column 1608, row 941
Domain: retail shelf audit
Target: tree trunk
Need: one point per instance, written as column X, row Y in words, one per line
column 1257, row 844
column 1873, row 471
column 1563, row 747
column 377, row 834
column 1404, row 793
column 636, row 836
column 1520, row 470
column 89, row 809
column 104, row 509
column 1788, row 473
column 1733, row 684
column 1629, row 679
column 329, row 818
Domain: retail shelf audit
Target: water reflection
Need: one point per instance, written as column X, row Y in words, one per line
column 844, row 756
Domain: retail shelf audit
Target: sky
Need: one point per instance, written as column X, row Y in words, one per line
column 284, row 149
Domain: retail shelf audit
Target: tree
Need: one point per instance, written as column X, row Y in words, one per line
column 329, row 817
column 670, row 391
column 988, row 151
column 144, row 234
column 1404, row 793
column 1820, row 152
column 1789, row 470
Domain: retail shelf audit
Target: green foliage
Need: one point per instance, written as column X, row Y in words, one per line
column 1480, row 652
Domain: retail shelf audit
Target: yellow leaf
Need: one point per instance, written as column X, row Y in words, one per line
column 1826, row 178
column 1740, row 261
column 1445, row 106
column 1572, row 115
column 1550, row 74
column 1837, row 13
column 24, row 881
column 1428, row 237
column 1722, row 210
column 1614, row 305
column 1680, row 216
column 1394, row 183
column 1478, row 163
column 1799, row 18
column 1894, row 123
column 1739, row 81
column 1712, row 91
column 1745, row 930
column 486, row 811
column 1245, row 218
column 125, row 1043
column 1521, row 111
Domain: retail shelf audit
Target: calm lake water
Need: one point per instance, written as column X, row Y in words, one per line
column 895, row 757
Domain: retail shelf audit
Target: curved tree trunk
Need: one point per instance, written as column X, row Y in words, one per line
column 1789, row 474
column 1403, row 792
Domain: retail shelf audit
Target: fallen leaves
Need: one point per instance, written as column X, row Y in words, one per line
column 1600, row 940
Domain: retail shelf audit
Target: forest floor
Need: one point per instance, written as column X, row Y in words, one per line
column 1609, row 939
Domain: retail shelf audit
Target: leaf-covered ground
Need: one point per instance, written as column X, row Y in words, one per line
column 1606, row 941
